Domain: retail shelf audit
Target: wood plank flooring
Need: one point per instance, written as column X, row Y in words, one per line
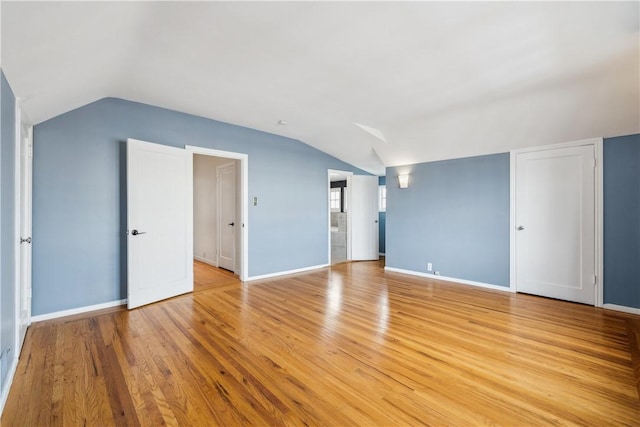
column 346, row 345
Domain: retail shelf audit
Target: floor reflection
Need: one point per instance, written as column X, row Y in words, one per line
column 333, row 303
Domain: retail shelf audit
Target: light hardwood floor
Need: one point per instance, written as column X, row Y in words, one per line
column 347, row 345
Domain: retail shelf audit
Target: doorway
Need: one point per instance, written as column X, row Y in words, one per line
column 220, row 209
column 214, row 211
column 339, row 224
column 160, row 247
column 556, row 221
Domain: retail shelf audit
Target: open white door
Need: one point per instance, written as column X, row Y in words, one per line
column 159, row 221
column 363, row 211
column 26, row 166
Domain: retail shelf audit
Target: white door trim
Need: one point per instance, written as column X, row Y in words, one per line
column 244, row 199
column 598, row 150
column 348, row 198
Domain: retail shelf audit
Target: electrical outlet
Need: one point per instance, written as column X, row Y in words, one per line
column 429, row 266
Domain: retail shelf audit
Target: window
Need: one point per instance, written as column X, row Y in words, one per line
column 382, row 198
column 335, row 199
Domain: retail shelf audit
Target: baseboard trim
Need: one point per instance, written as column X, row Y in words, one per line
column 7, row 384
column 79, row 310
column 450, row 279
column 284, row 273
column 624, row 309
column 206, row 261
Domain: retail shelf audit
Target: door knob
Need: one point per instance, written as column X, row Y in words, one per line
column 232, row 224
column 27, row 240
column 520, row 228
column 136, row 232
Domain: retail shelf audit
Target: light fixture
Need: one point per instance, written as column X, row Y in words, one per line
column 403, row 180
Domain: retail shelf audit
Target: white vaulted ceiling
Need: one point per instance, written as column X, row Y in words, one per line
column 434, row 80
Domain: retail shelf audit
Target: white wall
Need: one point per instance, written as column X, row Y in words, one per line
column 204, row 207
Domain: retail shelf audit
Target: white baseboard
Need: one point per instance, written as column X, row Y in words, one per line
column 450, row 279
column 284, row 273
column 79, row 310
column 206, row 261
column 631, row 310
column 7, row 384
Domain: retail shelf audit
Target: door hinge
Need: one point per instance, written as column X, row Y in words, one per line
column 595, row 280
column 31, row 150
column 29, row 293
column 594, row 163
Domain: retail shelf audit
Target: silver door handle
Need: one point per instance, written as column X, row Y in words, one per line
column 520, row 228
column 136, row 232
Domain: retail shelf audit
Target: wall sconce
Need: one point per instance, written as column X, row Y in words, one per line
column 403, row 181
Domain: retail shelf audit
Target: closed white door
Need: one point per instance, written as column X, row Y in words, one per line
column 160, row 222
column 555, row 223
column 363, row 211
column 227, row 216
column 26, row 167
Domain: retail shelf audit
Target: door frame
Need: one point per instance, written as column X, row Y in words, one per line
column 244, row 201
column 599, row 209
column 348, row 197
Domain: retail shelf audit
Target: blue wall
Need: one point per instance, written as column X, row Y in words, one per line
column 79, row 200
column 622, row 221
column 455, row 214
column 382, row 222
column 8, row 221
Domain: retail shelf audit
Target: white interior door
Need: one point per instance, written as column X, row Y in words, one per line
column 159, row 221
column 555, row 223
column 227, row 216
column 363, row 211
column 26, row 167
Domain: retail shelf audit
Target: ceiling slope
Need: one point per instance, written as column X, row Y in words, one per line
column 438, row 80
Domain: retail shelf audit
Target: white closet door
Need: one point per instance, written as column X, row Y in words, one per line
column 555, row 223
